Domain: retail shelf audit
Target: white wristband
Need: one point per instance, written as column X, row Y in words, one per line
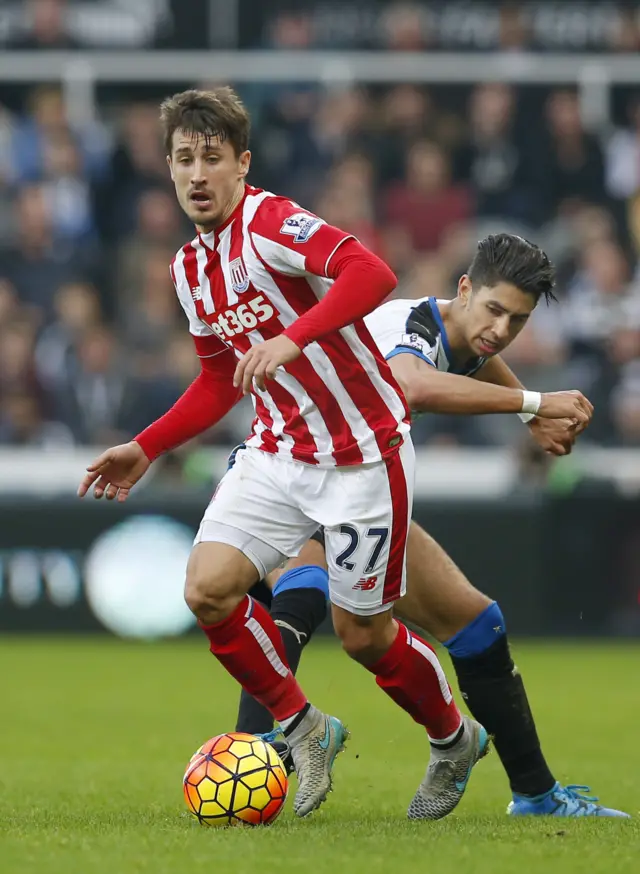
column 531, row 401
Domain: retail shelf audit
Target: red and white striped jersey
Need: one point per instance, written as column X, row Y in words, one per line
column 247, row 281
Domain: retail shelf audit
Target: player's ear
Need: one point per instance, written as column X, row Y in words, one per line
column 464, row 288
column 170, row 167
column 244, row 162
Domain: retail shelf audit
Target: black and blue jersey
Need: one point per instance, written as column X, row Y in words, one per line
column 416, row 327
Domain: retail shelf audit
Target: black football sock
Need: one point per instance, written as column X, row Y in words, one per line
column 297, row 611
column 495, row 695
column 262, row 593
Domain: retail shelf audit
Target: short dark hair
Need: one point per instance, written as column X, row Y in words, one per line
column 212, row 114
column 510, row 258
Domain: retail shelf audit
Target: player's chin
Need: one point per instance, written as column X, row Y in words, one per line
column 203, row 215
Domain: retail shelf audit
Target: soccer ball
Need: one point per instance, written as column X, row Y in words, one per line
column 235, row 779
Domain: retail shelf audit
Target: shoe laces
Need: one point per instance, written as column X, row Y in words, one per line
column 577, row 793
column 440, row 774
column 270, row 736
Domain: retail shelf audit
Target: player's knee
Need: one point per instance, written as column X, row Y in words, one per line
column 209, row 597
column 468, row 609
column 365, row 639
column 218, row 578
column 361, row 646
column 479, row 635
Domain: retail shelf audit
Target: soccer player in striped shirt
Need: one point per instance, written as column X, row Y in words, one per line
column 275, row 299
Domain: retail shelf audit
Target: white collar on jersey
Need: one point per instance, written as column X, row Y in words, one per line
column 209, row 239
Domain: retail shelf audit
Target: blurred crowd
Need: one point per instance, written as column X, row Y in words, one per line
column 397, row 25
column 93, row 344
column 446, row 25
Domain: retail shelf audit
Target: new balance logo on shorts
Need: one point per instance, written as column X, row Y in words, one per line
column 365, row 584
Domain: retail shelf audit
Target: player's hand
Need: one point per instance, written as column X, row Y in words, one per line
column 115, row 472
column 555, row 436
column 566, row 405
column 262, row 361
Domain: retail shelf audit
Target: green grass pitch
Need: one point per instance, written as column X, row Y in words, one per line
column 95, row 735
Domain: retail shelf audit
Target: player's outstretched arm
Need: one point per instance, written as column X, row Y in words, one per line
column 207, row 400
column 429, row 390
column 554, row 435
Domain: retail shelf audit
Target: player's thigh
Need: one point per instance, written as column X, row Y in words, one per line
column 366, row 552
column 252, row 511
column 439, row 598
column 312, row 553
column 218, row 576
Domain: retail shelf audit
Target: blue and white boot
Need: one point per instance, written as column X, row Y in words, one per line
column 448, row 773
column 315, row 743
column 561, row 801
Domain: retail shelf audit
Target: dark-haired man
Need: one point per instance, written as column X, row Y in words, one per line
column 445, row 356
column 275, row 299
column 435, row 346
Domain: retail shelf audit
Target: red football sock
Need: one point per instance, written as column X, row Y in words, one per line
column 412, row 676
column 250, row 647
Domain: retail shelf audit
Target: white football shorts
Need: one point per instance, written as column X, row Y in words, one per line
column 268, row 507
